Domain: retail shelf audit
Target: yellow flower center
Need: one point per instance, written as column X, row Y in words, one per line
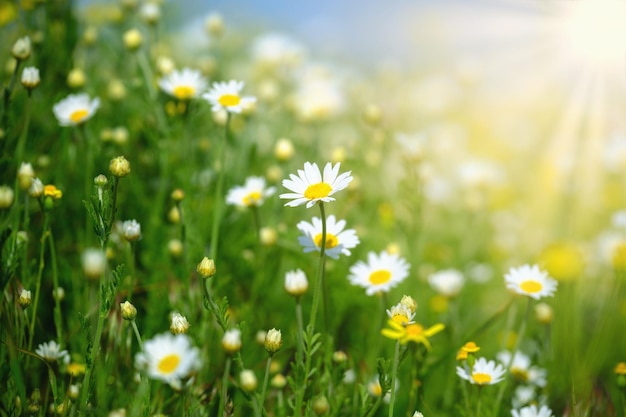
column 414, row 330
column 78, row 116
column 331, row 240
column 168, row 364
column 481, row 379
column 319, row 190
column 520, row 374
column 380, row 277
column 252, row 197
column 228, row 100
column 184, row 92
column 531, row 286
column 400, row 318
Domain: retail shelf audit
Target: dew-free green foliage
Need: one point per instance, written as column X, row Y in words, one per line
column 438, row 187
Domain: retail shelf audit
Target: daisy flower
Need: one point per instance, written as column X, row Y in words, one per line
column 401, row 314
column 52, row 352
column 522, row 370
column 226, row 96
column 483, row 372
column 531, row 281
column 532, row 411
column 448, row 282
column 252, row 193
column 311, row 186
column 75, row 109
column 381, row 273
column 169, row 358
column 412, row 332
column 338, row 240
column 184, row 84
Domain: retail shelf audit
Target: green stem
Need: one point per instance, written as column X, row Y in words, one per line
column 479, row 401
column 142, row 59
column 219, row 195
column 44, row 234
column 137, row 335
column 22, row 139
column 7, row 94
column 224, row 386
column 320, row 269
column 300, row 336
column 394, row 375
column 264, row 388
column 520, row 336
column 58, row 323
column 91, row 364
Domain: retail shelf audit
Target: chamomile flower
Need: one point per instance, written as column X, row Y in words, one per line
column 338, row 240
column 226, row 96
column 184, row 84
column 381, row 273
column 401, row 314
column 522, row 370
column 52, row 352
column 252, row 193
column 532, row 411
column 482, row 373
column 169, row 358
column 531, row 281
column 75, row 109
column 311, row 186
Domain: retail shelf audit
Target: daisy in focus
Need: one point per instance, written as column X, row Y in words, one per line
column 169, row 358
column 226, row 96
column 381, row 273
column 531, row 281
column 338, row 240
column 75, row 109
column 311, row 186
column 532, row 411
column 183, row 84
column 482, row 373
column 252, row 193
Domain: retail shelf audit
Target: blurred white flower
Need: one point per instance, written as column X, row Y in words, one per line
column 226, row 96
column 183, row 84
column 75, row 109
column 338, row 240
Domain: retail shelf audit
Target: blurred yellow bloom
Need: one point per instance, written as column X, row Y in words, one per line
column 411, row 333
column 76, row 369
column 52, row 191
column 563, row 261
column 466, row 349
column 620, row 369
column 8, row 12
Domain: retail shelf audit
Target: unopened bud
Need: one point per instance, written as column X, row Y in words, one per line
column 248, row 380
column 132, row 39
column 273, row 341
column 178, row 324
column 119, row 166
column 21, row 48
column 129, row 312
column 24, row 298
column 206, row 267
column 321, row 405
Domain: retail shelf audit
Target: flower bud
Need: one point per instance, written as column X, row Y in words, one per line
column 129, row 312
column 100, row 180
column 94, row 262
column 284, row 150
column 268, row 236
column 174, row 215
column 178, row 195
column 231, row 342
column 296, row 283
column 132, row 39
column 206, row 268
column 52, row 191
column 150, row 13
column 58, row 293
column 24, row 298
column 30, row 77
column 175, row 248
column 409, row 303
column 131, row 230
column 278, row 381
column 543, row 313
column 320, row 405
column 247, row 380
column 76, row 78
column 214, row 24
column 36, row 188
column 119, row 167
column 273, row 341
column 340, row 356
column 178, row 324
column 21, row 48
column 6, row 196
column 25, row 175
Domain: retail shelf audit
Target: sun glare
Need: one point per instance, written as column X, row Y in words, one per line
column 593, row 31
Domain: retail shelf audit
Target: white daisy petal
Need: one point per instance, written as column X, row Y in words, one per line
column 309, row 186
column 381, row 273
